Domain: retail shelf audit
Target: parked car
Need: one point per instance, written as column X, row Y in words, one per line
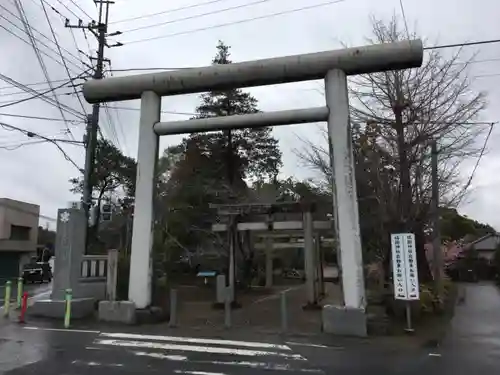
column 37, row 272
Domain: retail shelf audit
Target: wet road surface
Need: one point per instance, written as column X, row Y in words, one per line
column 472, row 346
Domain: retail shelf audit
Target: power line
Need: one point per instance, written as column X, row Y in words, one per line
column 464, row 44
column 39, row 118
column 487, row 75
column 31, row 134
column 146, row 69
column 44, row 83
column 166, row 112
column 404, row 18
column 41, row 95
column 22, row 144
column 79, row 8
column 6, row 140
column 27, row 26
column 197, row 67
column 481, row 154
column 112, row 130
column 39, row 33
column 69, row 10
column 61, row 54
column 241, row 6
column 237, row 22
column 28, row 43
column 36, row 95
column 197, row 5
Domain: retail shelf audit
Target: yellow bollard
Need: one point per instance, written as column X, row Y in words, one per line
column 6, row 301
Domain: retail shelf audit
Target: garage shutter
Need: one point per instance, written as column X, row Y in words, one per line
column 9, row 265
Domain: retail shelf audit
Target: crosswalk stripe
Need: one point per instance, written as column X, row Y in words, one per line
column 195, row 348
column 192, row 340
column 198, row 372
column 250, row 364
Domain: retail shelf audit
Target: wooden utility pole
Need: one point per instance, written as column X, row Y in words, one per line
column 436, row 237
column 100, row 31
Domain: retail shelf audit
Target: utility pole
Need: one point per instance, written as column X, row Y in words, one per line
column 436, row 237
column 99, row 30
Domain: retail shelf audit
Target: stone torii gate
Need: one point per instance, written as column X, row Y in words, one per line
column 332, row 66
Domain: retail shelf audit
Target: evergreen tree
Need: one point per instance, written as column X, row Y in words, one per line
column 246, row 153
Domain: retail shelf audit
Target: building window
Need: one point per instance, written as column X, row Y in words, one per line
column 19, row 233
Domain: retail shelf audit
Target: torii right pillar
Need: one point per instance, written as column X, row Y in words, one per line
column 350, row 318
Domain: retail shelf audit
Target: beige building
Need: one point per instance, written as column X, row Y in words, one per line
column 18, row 235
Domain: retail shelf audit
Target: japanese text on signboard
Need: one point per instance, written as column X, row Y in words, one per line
column 404, row 266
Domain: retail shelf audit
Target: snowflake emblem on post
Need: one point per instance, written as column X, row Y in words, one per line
column 65, row 217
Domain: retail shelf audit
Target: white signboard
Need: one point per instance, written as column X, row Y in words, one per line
column 404, row 266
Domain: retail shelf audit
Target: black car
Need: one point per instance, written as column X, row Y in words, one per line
column 37, row 272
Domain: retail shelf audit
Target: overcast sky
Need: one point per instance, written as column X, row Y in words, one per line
column 38, row 173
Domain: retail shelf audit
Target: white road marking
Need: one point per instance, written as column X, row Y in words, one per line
column 162, row 356
column 199, row 349
column 434, row 355
column 60, row 329
column 192, row 340
column 313, row 345
column 253, row 365
column 198, row 372
column 92, row 363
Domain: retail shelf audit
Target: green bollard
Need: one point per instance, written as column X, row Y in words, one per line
column 19, row 292
column 67, row 314
column 6, row 302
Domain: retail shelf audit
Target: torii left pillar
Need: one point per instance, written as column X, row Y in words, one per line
column 141, row 269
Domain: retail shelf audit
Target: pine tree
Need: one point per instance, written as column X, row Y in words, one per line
column 246, row 153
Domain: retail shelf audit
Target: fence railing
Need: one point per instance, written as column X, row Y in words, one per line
column 94, row 268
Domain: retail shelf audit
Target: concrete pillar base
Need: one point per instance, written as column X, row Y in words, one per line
column 52, row 308
column 344, row 321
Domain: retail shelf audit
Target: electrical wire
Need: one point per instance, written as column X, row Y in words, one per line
column 118, row 118
column 9, row 140
column 39, row 33
column 17, row 146
column 404, row 18
column 198, row 67
column 31, row 134
column 241, row 6
column 27, row 26
column 41, row 95
column 28, row 43
column 149, row 69
column 464, row 44
column 166, row 112
column 112, row 130
column 44, row 83
column 236, row 22
column 29, row 97
column 69, row 10
column 487, row 75
column 481, row 154
column 61, row 54
column 79, row 8
column 40, row 118
column 76, row 47
column 197, row 5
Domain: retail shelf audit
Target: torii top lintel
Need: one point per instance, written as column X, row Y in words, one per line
column 357, row 60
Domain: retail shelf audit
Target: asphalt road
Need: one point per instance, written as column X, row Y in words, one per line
column 471, row 346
